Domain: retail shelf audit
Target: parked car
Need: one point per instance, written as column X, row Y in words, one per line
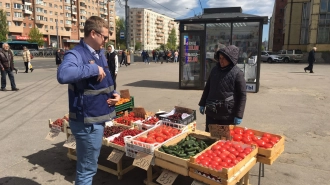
column 293, row 55
column 270, row 57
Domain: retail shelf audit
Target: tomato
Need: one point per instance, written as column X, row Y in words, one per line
column 207, row 159
column 209, row 152
column 150, row 140
column 236, row 146
column 216, row 147
column 240, row 150
column 232, row 132
column 205, row 154
column 237, row 137
column 197, row 161
column 260, row 143
column 266, row 139
column 217, row 159
column 268, row 145
column 217, row 152
column 254, row 138
column 238, row 130
column 267, row 135
column 230, row 165
column 228, row 143
column 201, row 157
column 222, row 150
column 231, row 156
column 239, row 158
column 142, row 139
column 165, row 132
column 219, row 167
column 204, row 163
column 246, row 140
column 224, row 164
column 226, row 153
column 235, row 153
column 247, row 150
column 246, row 135
column 231, row 150
column 215, row 163
column 159, row 139
column 226, row 146
column 223, row 157
column 272, row 142
column 242, row 155
column 235, row 161
column 227, row 160
column 275, row 139
column 220, row 143
column 249, row 132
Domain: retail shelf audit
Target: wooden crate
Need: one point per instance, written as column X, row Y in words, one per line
column 225, row 173
column 238, row 176
column 270, row 160
column 173, row 163
column 65, row 124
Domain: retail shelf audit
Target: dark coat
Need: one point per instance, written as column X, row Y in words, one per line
column 111, row 63
column 58, row 58
column 311, row 56
column 226, row 85
column 4, row 61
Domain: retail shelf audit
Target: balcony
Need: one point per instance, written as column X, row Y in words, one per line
column 160, row 26
column 28, row 12
column 160, row 18
column 160, row 34
column 20, row 19
column 81, row 27
column 67, row 25
column 40, row 21
column 28, row 3
column 74, row 19
column 159, row 42
column 74, row 13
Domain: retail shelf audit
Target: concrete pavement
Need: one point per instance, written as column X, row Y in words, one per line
column 290, row 102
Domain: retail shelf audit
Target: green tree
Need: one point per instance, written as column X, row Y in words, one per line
column 120, row 26
column 171, row 40
column 36, row 37
column 138, row 46
column 262, row 48
column 4, row 30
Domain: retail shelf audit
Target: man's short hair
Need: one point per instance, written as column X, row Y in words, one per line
column 94, row 23
column 3, row 45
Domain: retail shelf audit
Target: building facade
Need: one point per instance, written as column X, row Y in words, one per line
column 150, row 28
column 307, row 24
column 62, row 19
column 275, row 36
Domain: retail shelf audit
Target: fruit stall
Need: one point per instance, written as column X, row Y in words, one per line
column 166, row 144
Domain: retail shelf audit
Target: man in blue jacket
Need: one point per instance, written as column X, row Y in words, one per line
column 92, row 96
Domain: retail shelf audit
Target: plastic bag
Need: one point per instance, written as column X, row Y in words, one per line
column 30, row 65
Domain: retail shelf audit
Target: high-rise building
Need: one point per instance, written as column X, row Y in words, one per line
column 150, row 28
column 276, row 37
column 62, row 18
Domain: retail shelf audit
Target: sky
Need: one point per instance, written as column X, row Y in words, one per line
column 177, row 9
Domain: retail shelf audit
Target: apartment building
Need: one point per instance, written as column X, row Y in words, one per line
column 64, row 19
column 275, row 36
column 306, row 24
column 150, row 28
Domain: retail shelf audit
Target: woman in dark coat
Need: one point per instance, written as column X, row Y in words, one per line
column 58, row 58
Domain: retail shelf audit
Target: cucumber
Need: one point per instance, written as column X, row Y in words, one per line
column 168, row 151
column 192, row 152
column 161, row 149
column 191, row 149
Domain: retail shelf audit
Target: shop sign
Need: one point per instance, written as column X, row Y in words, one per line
column 26, row 38
column 71, row 40
column 250, row 87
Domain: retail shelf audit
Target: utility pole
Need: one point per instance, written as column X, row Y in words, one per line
column 57, row 33
column 127, row 24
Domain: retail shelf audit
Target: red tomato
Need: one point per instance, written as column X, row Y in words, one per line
column 232, row 132
column 220, row 143
column 247, row 150
column 239, row 158
column 207, row 159
column 240, row 150
column 228, row 143
column 204, row 163
column 201, row 157
column 226, row 146
column 275, row 139
column 230, row 165
column 231, row 156
column 246, row 135
column 249, row 132
column 227, row 160
column 235, row 153
column 219, row 167
column 237, row 137
column 222, row 156
column 205, row 154
column 224, row 164
column 236, row 146
column 209, row 152
column 231, row 150
column 216, row 147
column 260, row 143
column 238, row 130
column 217, row 152
column 272, row 142
column 266, row 135
column 165, row 132
column 217, row 159
column 150, row 140
column 235, row 161
column 226, row 153
column 246, row 140
column 222, row 150
column 266, row 139
column 197, row 161
column 142, row 139
column 215, row 163
column 242, row 155
column 159, row 139
column 268, row 145
column 254, row 138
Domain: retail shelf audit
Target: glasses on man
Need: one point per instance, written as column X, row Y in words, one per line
column 104, row 37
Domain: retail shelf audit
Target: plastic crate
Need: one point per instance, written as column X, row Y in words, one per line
column 125, row 106
column 133, row 146
column 185, row 121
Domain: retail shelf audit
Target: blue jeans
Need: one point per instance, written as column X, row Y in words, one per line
column 146, row 60
column 11, row 78
column 175, row 59
column 88, row 146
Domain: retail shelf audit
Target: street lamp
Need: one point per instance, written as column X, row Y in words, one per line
column 192, row 10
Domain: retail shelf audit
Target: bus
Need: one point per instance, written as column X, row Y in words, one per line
column 17, row 46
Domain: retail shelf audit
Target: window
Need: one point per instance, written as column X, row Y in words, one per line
column 67, row 7
column 50, row 5
column 30, row 25
column 61, row 21
column 0, row 3
column 304, row 36
column 67, row 14
column 17, row 6
column 50, row 12
column 46, row 27
column 61, row 28
column 40, row 18
column 55, row 5
column 67, row 22
column 8, row 14
column 61, row 7
column 324, row 6
column 51, row 20
column 17, row 24
column 40, row 9
column 51, row 27
column 55, row 13
column 9, row 23
column 56, row 20
column 45, row 11
column 323, row 35
column 18, row 14
column 7, row 5
column 39, row 26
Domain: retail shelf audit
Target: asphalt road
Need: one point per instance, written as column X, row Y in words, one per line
column 290, row 103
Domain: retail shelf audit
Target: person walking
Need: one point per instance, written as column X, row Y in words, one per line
column 123, row 58
column 145, row 57
column 224, row 96
column 176, row 55
column 112, row 60
column 311, row 60
column 92, row 97
column 58, row 58
column 7, row 67
column 27, row 60
column 156, row 56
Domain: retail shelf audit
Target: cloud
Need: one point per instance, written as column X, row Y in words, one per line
column 174, row 8
column 256, row 7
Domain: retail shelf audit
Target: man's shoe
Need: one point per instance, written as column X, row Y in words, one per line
column 3, row 89
column 32, row 70
column 311, row 72
column 16, row 71
column 305, row 70
column 16, row 89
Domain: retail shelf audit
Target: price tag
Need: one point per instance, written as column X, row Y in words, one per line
column 115, row 156
column 167, row 177
column 139, row 112
column 52, row 134
column 70, row 142
column 195, row 182
column 142, row 160
column 220, row 131
column 125, row 94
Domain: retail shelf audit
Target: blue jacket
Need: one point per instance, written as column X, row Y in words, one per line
column 87, row 96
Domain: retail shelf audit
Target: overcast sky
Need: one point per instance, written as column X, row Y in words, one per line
column 178, row 8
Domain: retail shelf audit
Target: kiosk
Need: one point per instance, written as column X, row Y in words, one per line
column 201, row 36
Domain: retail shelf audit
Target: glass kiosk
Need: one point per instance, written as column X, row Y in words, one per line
column 202, row 36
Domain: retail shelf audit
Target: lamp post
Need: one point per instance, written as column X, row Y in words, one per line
column 192, row 10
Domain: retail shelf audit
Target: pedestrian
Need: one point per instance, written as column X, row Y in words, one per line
column 123, row 58
column 156, row 56
column 153, row 55
column 311, row 60
column 112, row 60
column 145, row 57
column 58, row 58
column 7, row 67
column 165, row 56
column 92, row 97
column 176, row 55
column 224, row 96
column 27, row 60
column 16, row 70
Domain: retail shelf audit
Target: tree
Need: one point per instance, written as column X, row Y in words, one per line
column 171, row 41
column 138, row 46
column 4, row 30
column 35, row 36
column 120, row 26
